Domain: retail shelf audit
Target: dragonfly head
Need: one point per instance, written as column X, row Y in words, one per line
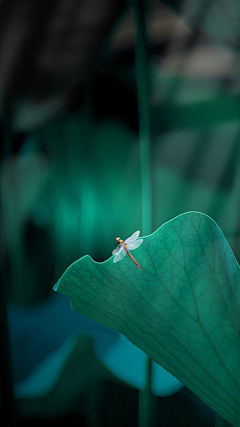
column 117, row 239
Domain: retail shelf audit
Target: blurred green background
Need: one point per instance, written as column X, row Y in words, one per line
column 72, row 183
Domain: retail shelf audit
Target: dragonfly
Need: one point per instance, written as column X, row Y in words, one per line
column 124, row 247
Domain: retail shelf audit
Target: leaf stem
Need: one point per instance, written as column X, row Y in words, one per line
column 143, row 114
column 145, row 397
column 8, row 403
column 235, row 198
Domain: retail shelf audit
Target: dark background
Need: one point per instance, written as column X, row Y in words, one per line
column 70, row 173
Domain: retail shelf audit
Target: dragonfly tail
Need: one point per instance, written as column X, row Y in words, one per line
column 133, row 259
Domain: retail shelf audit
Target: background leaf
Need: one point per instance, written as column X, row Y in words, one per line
column 182, row 309
column 48, row 53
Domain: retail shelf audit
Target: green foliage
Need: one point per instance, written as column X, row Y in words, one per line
column 182, row 309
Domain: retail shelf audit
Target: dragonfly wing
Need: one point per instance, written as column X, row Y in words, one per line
column 120, row 255
column 135, row 244
column 115, row 251
column 132, row 238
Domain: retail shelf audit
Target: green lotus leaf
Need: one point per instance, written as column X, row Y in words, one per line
column 182, row 309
